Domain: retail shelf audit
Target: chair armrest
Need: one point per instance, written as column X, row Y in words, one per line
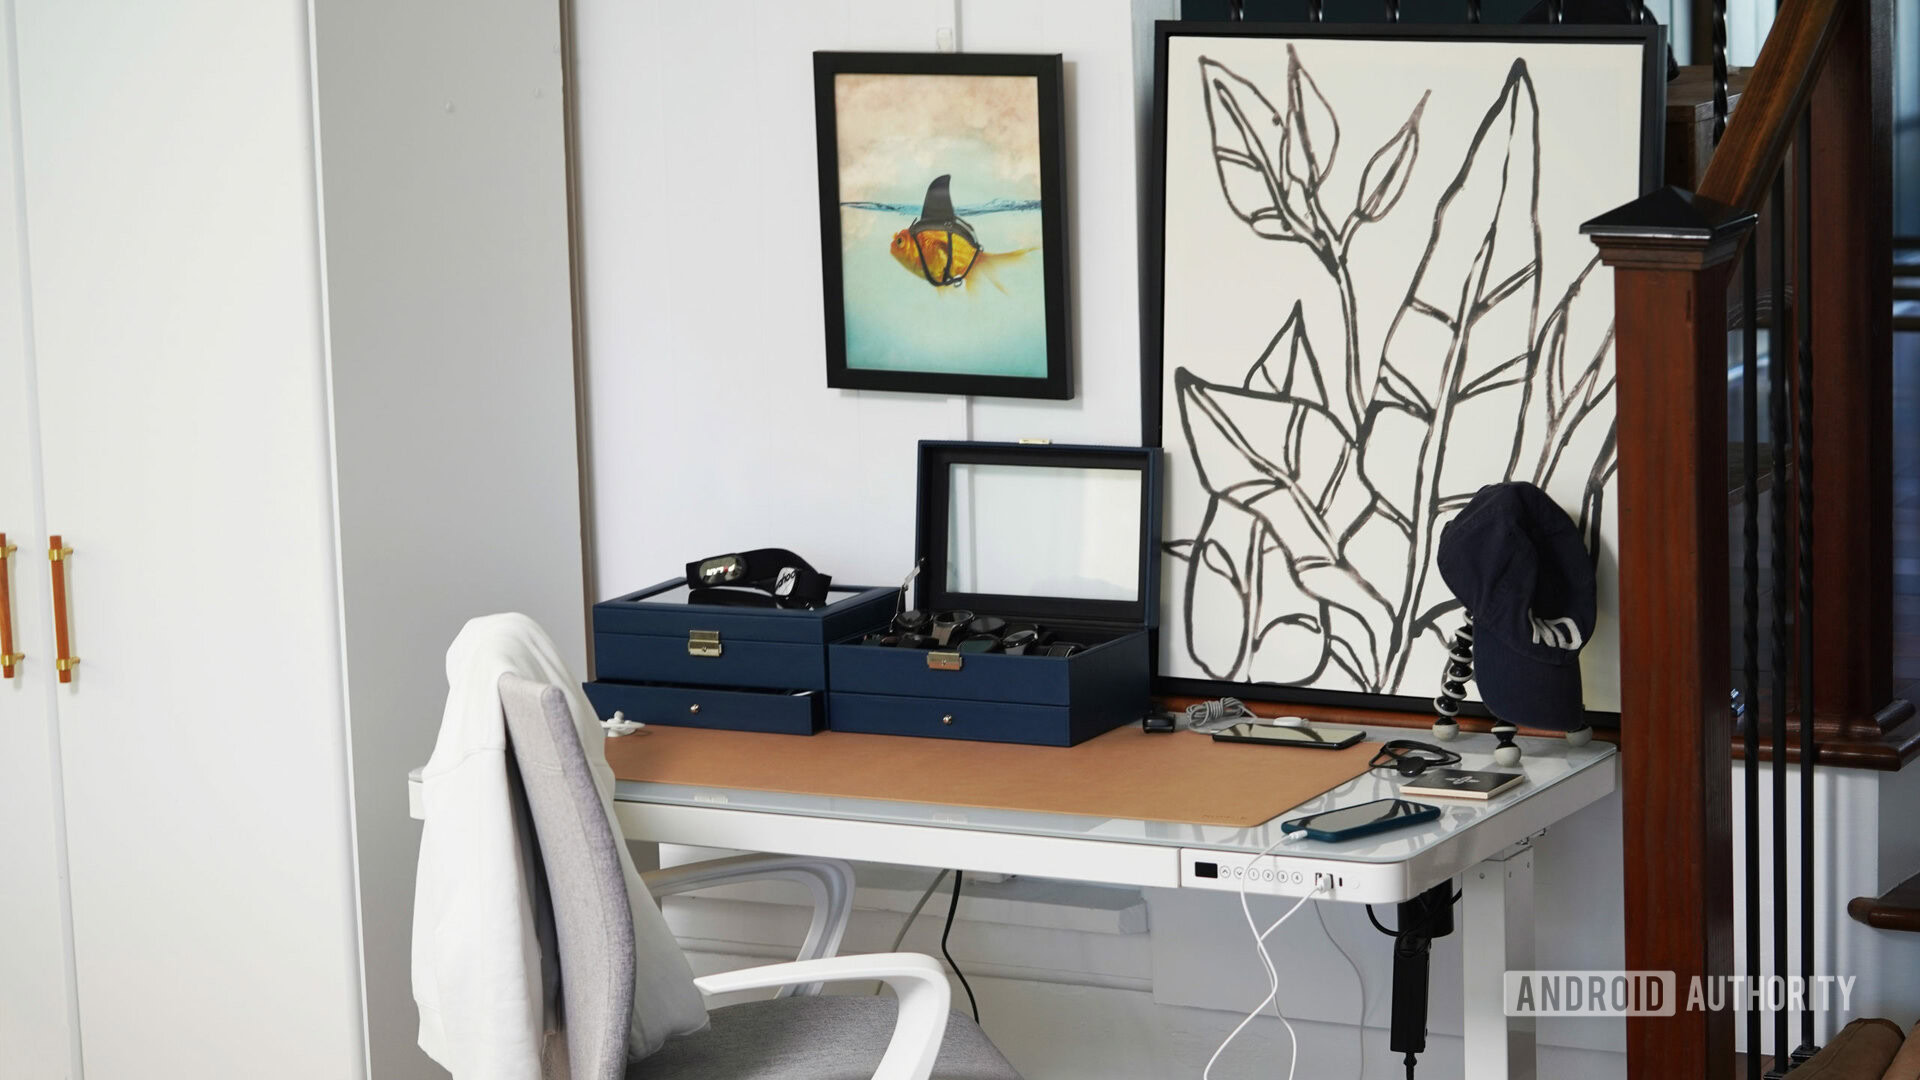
column 918, row 982
column 829, row 880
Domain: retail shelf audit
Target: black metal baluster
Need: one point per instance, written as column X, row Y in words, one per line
column 1316, row 11
column 1473, row 11
column 1803, row 324
column 1777, row 435
column 1393, row 11
column 1556, row 11
column 1237, row 10
column 1719, row 70
column 1750, row 713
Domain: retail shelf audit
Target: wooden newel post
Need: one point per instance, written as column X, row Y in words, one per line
column 1850, row 301
column 1672, row 254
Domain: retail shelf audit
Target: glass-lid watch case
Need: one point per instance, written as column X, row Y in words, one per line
column 1033, row 605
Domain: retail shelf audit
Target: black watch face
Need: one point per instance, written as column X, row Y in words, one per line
column 986, row 624
column 1017, row 642
column 911, row 621
column 945, row 623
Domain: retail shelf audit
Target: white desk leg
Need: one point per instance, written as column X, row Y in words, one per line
column 1496, row 925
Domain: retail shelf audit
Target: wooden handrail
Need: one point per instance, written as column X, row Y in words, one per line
column 1778, row 92
column 1821, row 93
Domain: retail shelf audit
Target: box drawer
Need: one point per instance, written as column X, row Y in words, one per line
column 1016, row 680
column 771, row 665
column 942, row 718
column 792, row 713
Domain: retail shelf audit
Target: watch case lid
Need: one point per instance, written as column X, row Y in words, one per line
column 1040, row 532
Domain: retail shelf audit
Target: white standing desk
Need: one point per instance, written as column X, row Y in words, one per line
column 1488, row 845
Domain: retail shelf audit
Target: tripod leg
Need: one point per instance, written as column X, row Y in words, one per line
column 1507, row 752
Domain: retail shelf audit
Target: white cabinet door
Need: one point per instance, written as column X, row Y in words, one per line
column 36, row 982
column 169, row 174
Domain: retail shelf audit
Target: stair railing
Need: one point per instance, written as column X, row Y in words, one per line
column 1808, row 149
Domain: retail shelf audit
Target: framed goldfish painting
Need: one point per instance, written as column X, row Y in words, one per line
column 1367, row 297
column 943, row 223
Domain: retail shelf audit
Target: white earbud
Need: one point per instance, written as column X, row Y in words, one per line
column 620, row 725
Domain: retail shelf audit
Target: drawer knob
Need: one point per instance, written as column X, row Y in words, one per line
column 694, row 709
column 947, row 719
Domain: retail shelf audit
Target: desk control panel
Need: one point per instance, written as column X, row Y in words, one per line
column 1289, row 873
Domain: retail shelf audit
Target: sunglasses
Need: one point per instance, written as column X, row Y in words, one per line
column 1411, row 757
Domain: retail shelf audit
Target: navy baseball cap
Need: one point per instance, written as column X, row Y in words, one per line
column 1516, row 561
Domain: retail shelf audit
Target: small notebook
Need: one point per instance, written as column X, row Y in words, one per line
column 1461, row 783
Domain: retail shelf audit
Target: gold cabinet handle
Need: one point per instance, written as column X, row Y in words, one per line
column 8, row 658
column 64, row 660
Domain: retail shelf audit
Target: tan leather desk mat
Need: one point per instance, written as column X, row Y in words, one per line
column 1125, row 773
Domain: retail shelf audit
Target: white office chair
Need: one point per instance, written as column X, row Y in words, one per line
column 797, row 1035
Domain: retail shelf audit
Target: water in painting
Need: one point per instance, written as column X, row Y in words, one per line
column 940, row 224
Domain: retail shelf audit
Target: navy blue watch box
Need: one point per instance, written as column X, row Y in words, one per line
column 1058, row 538
column 661, row 660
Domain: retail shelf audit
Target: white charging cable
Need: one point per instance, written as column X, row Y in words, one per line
column 1357, row 977
column 1266, row 961
column 1207, row 717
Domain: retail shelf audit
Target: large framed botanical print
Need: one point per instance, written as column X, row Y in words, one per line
column 1368, row 296
column 943, row 223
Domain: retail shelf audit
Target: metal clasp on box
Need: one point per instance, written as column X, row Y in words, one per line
column 943, row 661
column 703, row 643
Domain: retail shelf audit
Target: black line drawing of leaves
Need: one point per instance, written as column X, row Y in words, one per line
column 1313, row 133
column 1569, row 385
column 1484, row 251
column 1300, row 377
column 1300, row 516
column 1237, row 113
column 1385, row 178
column 1260, row 452
column 1593, row 499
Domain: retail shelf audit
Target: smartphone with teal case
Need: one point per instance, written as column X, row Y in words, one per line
column 1352, row 822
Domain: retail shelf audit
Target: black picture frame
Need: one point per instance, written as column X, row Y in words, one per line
column 1650, row 36
column 1047, row 71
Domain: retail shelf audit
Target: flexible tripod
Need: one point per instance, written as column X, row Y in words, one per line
column 1453, row 691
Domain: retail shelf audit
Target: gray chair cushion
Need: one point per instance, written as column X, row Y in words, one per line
column 625, row 985
column 812, row 1038
column 590, row 913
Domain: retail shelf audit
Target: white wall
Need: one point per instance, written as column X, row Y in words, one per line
column 443, row 190
column 712, row 427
